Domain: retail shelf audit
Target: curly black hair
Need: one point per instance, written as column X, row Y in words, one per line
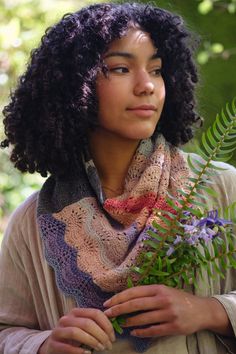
column 55, row 104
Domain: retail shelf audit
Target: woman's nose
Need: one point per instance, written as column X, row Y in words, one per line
column 143, row 85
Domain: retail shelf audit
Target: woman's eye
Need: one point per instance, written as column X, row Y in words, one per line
column 157, row 72
column 120, row 70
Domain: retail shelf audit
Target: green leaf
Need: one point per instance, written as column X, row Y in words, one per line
column 220, row 126
column 216, row 132
column 116, row 325
column 185, row 278
column 159, row 227
column 222, row 158
column 232, row 261
column 229, row 142
column 168, row 213
column 225, row 151
column 209, row 272
column 231, row 116
column 206, row 146
column 138, row 270
column 222, row 263
column 154, row 235
column 129, row 283
column 191, row 165
column 216, row 250
column 173, row 205
column 217, row 269
column 160, row 273
column 166, row 220
column 211, row 165
column 198, row 203
column 231, row 244
column 159, row 263
column 207, row 253
column 209, row 190
column 211, row 138
column 225, row 119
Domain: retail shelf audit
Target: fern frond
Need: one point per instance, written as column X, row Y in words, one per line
column 217, row 143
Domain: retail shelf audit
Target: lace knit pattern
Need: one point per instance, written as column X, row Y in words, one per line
column 92, row 241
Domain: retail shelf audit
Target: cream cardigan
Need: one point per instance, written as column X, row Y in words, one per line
column 31, row 304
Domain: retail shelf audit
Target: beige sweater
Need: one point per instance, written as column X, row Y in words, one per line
column 31, row 304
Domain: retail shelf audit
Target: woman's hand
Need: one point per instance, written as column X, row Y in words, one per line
column 167, row 311
column 81, row 326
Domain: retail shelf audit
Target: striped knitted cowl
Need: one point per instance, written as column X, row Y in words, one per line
column 92, row 241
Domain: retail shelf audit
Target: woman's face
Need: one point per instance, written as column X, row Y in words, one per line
column 131, row 98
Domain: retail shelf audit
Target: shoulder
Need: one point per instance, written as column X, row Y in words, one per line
column 25, row 210
column 22, row 221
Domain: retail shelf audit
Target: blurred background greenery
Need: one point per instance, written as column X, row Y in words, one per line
column 23, row 22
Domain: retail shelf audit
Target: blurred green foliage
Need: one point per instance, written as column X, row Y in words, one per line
column 23, row 22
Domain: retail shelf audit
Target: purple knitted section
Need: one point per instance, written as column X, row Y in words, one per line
column 70, row 279
column 63, row 258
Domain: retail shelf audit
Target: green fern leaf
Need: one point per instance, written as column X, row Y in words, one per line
column 209, row 190
column 209, row 150
column 212, row 138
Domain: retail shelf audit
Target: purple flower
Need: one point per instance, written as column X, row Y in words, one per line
column 170, row 251
column 193, row 239
column 177, row 240
column 213, row 219
column 190, row 228
column 207, row 234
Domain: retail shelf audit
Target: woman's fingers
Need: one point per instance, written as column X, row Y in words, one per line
column 134, row 293
column 165, row 329
column 162, row 306
column 89, row 327
column 138, row 304
column 149, row 317
column 97, row 316
column 88, row 332
column 77, row 335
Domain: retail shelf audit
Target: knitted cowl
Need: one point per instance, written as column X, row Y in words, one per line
column 92, row 241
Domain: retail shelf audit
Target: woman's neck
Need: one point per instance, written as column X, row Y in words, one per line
column 112, row 156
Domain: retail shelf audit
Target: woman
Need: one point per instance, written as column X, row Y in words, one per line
column 103, row 103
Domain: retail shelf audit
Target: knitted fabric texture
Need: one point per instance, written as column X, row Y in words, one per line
column 92, row 241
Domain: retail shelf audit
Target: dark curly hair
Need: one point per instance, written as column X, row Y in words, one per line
column 54, row 105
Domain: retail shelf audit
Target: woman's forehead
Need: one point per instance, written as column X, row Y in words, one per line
column 134, row 39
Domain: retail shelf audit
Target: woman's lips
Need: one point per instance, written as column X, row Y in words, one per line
column 143, row 110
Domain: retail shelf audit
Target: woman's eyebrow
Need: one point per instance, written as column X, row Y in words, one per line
column 129, row 55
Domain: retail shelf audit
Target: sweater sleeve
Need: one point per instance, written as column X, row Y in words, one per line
column 224, row 290
column 19, row 327
column 227, row 185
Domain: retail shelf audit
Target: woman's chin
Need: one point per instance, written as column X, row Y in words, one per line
column 141, row 135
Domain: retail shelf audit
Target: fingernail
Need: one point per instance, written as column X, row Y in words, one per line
column 106, row 303
column 112, row 337
column 109, row 345
column 108, row 312
column 100, row 347
column 87, row 352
